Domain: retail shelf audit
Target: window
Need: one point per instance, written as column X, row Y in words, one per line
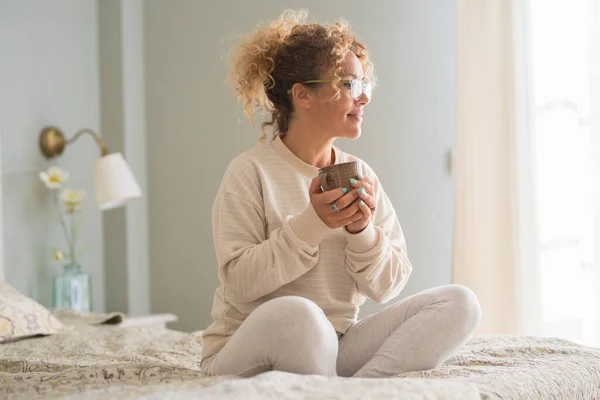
column 566, row 86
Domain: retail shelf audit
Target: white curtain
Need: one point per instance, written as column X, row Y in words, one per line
column 527, row 205
column 495, row 242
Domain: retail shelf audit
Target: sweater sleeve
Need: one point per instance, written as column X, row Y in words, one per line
column 376, row 258
column 252, row 265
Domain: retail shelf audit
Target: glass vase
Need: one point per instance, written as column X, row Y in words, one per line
column 72, row 289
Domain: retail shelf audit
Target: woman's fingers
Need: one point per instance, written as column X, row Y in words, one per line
column 367, row 183
column 361, row 223
column 343, row 206
column 345, row 200
column 368, row 193
column 358, row 215
column 367, row 198
column 330, row 196
column 365, row 208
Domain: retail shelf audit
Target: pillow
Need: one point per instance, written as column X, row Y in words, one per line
column 22, row 317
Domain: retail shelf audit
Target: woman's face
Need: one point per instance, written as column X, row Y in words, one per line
column 343, row 117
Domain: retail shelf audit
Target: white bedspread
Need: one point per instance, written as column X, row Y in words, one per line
column 112, row 362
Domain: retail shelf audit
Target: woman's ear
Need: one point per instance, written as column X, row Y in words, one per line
column 301, row 96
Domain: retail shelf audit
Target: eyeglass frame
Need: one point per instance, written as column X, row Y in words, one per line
column 343, row 81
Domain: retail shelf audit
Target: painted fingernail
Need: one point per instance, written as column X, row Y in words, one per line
column 360, row 175
column 353, row 181
column 361, row 191
column 362, row 203
column 345, row 190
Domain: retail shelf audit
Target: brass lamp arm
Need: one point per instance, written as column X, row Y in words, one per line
column 53, row 142
column 96, row 137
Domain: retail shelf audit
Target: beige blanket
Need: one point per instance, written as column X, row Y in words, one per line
column 104, row 362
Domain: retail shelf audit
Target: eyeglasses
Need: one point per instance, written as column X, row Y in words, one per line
column 357, row 88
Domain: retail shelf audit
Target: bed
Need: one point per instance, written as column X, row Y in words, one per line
column 107, row 361
column 92, row 356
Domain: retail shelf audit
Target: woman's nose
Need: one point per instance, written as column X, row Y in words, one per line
column 363, row 99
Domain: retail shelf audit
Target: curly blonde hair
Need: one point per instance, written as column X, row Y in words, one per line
column 270, row 60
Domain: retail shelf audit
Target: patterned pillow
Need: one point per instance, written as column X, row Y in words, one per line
column 22, row 317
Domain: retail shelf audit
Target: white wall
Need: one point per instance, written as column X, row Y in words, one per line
column 193, row 131
column 48, row 76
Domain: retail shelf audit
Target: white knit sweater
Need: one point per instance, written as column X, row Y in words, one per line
column 271, row 243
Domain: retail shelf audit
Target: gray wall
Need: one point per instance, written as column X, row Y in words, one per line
column 195, row 127
column 123, row 120
column 48, row 75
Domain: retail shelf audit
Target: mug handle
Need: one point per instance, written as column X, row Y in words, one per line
column 323, row 180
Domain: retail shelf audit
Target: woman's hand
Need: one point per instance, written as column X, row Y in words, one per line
column 337, row 207
column 366, row 191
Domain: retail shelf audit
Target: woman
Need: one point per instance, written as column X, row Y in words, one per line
column 295, row 263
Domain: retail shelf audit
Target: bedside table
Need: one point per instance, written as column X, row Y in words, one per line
column 151, row 321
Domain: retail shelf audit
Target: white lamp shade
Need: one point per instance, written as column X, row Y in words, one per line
column 114, row 181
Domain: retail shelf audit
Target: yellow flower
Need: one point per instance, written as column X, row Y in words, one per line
column 73, row 199
column 53, row 177
column 58, row 255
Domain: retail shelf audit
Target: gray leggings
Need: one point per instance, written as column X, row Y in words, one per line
column 292, row 334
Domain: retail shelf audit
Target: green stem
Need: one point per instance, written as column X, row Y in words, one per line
column 62, row 220
column 72, row 248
